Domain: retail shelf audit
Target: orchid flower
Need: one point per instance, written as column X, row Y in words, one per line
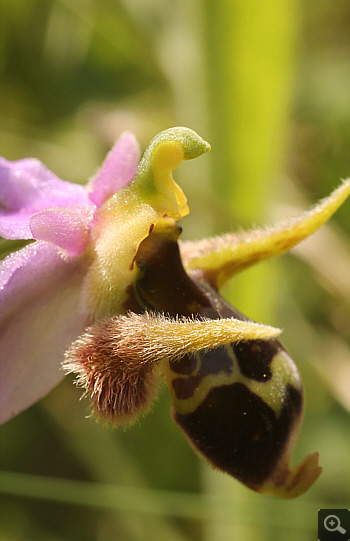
column 108, row 287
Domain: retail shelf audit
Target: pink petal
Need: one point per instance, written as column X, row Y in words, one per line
column 67, row 228
column 39, row 318
column 27, row 186
column 117, row 170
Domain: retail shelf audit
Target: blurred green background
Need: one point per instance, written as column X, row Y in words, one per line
column 267, row 84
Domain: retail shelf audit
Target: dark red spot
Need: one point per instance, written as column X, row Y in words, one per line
column 255, row 356
column 186, row 365
column 185, row 387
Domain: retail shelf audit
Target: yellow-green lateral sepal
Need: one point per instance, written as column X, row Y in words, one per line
column 220, row 258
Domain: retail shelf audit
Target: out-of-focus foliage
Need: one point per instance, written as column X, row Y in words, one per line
column 267, row 83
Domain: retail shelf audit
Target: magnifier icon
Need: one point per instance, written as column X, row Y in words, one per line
column 332, row 524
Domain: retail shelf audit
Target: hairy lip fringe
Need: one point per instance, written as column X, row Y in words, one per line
column 120, row 386
column 116, row 359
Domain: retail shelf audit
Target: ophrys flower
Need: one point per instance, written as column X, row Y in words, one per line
column 108, row 257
